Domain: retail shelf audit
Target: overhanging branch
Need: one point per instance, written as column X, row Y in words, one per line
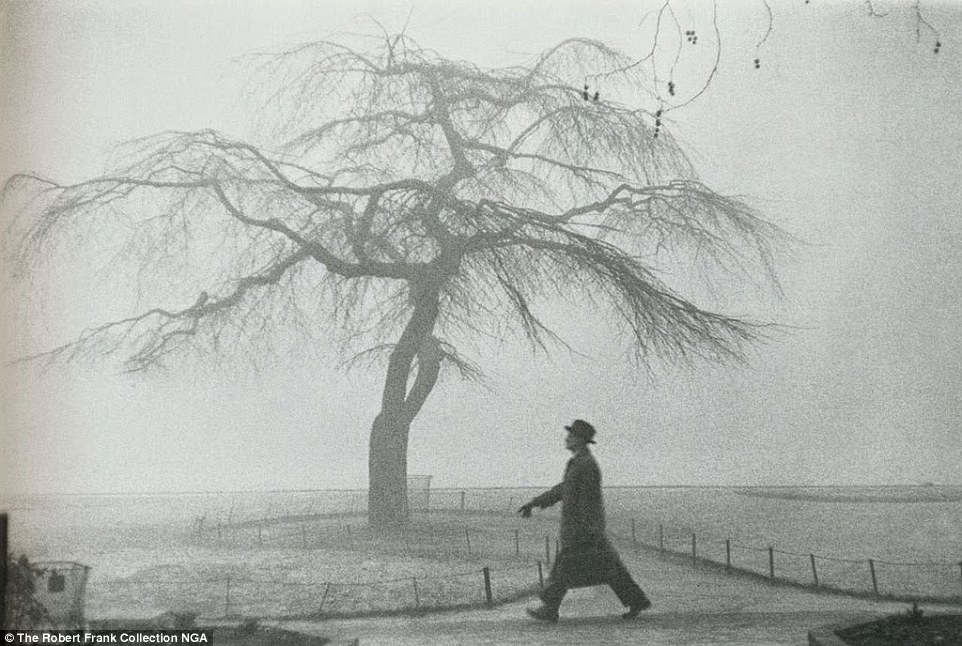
column 156, row 332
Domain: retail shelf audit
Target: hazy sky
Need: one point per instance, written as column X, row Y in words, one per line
column 849, row 136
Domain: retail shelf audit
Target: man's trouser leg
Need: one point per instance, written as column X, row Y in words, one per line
column 629, row 593
column 554, row 591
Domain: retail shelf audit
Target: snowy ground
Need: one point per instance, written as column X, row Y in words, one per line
column 692, row 605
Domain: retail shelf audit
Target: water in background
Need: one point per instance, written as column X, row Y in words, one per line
column 154, row 552
column 65, row 527
column 897, row 531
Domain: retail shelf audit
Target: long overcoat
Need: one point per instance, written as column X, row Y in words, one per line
column 585, row 556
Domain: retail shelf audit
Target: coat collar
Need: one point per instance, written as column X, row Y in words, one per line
column 581, row 453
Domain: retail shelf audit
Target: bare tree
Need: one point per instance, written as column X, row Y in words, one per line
column 424, row 202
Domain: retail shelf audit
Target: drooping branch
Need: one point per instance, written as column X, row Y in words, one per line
column 419, row 203
column 659, row 321
column 316, row 250
column 527, row 252
column 419, row 175
column 155, row 333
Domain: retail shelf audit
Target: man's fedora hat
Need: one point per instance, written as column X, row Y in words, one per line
column 582, row 429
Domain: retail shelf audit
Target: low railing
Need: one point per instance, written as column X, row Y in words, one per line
column 461, row 551
column 923, row 580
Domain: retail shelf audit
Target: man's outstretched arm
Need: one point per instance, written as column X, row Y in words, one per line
column 547, row 499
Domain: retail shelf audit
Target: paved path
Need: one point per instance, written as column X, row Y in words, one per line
column 692, row 605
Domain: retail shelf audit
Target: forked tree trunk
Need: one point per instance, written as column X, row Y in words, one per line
column 388, row 448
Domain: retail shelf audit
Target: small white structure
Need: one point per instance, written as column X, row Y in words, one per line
column 419, row 492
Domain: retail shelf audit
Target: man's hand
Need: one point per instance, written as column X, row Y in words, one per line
column 525, row 510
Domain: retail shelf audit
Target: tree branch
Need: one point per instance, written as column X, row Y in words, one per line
column 164, row 327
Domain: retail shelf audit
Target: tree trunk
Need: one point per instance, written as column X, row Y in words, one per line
column 387, row 464
column 388, row 448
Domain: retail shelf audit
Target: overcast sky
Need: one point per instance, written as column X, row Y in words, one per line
column 849, row 136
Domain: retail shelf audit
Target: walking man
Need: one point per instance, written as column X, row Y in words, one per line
column 585, row 556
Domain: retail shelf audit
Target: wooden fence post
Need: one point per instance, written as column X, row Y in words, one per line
column 814, row 571
column 417, row 597
column 960, row 577
column 467, row 538
column 462, row 501
column 771, row 562
column 871, row 568
column 327, row 589
column 303, row 536
column 728, row 553
column 227, row 600
column 517, row 543
column 488, row 597
column 694, row 551
column 547, row 549
column 540, row 576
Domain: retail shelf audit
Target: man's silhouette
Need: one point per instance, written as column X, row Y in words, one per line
column 585, row 556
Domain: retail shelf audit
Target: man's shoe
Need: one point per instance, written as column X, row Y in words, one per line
column 633, row 611
column 543, row 614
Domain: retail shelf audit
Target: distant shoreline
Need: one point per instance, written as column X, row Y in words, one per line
column 906, row 494
column 826, row 493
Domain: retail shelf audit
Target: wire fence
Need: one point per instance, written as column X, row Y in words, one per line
column 230, row 597
column 931, row 581
column 297, row 555
column 264, row 562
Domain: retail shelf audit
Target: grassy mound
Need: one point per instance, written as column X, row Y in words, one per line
column 329, row 565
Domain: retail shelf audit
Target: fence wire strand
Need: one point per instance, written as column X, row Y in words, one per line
column 456, row 534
